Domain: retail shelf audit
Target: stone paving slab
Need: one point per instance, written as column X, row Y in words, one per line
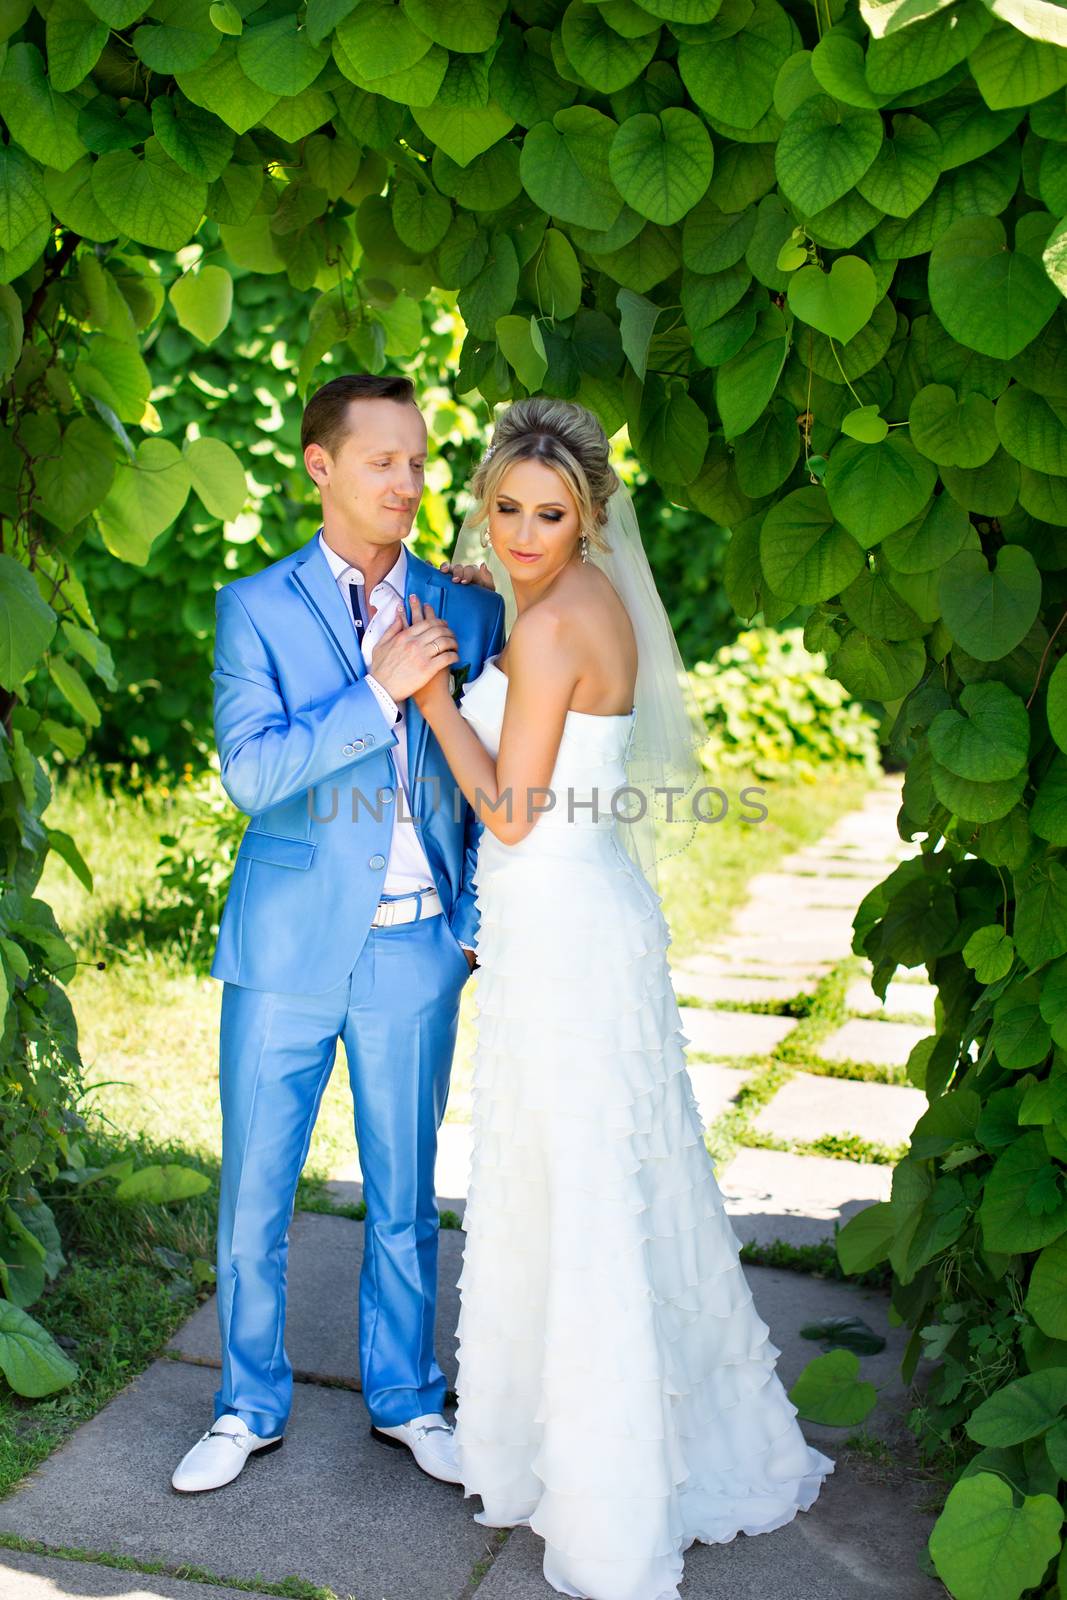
column 26, row 1577
column 884, row 1044
column 334, row 1507
column 809, row 892
column 715, row 1087
column 901, row 999
column 725, row 990
column 325, row 1255
column 772, row 1194
column 733, row 1033
column 810, row 1105
column 796, row 925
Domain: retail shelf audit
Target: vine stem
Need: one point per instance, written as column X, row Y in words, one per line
column 55, row 267
column 843, row 373
column 1044, row 658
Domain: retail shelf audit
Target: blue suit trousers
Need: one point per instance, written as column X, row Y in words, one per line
column 397, row 1012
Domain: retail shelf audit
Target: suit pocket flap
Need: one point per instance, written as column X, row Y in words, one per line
column 276, row 849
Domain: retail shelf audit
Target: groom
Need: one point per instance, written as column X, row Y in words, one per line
column 345, row 919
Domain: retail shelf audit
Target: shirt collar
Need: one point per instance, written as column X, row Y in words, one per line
column 396, row 577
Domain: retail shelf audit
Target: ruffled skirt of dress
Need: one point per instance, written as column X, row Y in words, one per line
column 616, row 1385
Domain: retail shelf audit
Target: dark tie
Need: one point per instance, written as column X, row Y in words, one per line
column 357, row 614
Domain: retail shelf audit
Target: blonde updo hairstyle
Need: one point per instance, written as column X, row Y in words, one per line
column 566, row 437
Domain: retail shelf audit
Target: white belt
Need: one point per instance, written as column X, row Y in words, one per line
column 391, row 913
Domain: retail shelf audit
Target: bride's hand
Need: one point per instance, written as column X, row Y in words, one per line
column 470, row 574
column 434, row 691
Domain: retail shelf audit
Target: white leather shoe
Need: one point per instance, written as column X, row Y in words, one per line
column 431, row 1442
column 220, row 1454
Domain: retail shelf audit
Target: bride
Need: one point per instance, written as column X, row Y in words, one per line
column 617, row 1390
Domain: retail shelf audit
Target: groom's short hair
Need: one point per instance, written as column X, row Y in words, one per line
column 325, row 419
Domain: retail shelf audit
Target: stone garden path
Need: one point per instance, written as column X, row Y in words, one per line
column 818, row 1069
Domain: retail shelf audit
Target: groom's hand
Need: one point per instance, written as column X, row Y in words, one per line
column 407, row 656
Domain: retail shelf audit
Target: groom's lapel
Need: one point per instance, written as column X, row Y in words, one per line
column 432, row 589
column 318, row 586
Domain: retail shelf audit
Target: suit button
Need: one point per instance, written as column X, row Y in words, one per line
column 357, row 744
column 377, row 862
column 369, row 739
column 348, row 750
column 385, row 795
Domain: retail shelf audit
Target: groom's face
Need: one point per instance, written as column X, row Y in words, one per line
column 372, row 482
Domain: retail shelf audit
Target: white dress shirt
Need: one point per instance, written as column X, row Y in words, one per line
column 407, row 868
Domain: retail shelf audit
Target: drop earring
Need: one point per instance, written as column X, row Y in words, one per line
column 486, row 541
column 583, row 548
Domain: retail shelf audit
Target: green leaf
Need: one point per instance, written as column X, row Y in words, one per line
column 217, row 476
column 839, row 303
column 421, row 216
column 463, row 132
column 1020, row 1410
column 1048, row 815
column 637, row 322
column 42, row 121
column 920, row 52
column 1046, row 1297
column 182, row 38
column 872, row 605
column 1012, row 70
column 874, row 669
column 732, row 78
column 379, row 40
column 661, row 165
column 865, row 424
column 905, row 170
column 955, row 434
column 989, row 952
column 469, row 26
column 11, row 330
column 523, row 78
column 875, row 488
column 1033, row 429
column 990, row 610
column 64, row 846
column 989, row 298
column 865, row 1238
column 973, row 799
column 72, row 686
column 197, row 141
column 222, row 87
column 161, row 1185
column 1056, row 706
column 990, row 742
column 555, row 277
column 565, row 167
column 149, row 197
column 1008, row 1224
column 203, row 301
column 846, row 1333
column 829, row 1391
column 931, row 539
column 75, row 480
column 92, row 650
column 605, row 59
column 744, row 384
column 27, row 624
column 491, row 294
column 227, row 19
column 824, row 150
column 30, row 1359
column 516, row 339
column 114, row 372
column 672, row 436
column 144, row 500
column 74, row 38
column 984, row 1546
column 805, row 555
column 232, row 198
column 280, row 56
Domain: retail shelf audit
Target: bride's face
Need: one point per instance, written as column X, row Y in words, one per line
column 533, row 522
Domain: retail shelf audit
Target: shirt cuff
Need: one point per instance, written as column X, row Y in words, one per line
column 469, row 947
column 390, row 709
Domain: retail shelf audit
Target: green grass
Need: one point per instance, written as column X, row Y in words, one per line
column 289, row 1589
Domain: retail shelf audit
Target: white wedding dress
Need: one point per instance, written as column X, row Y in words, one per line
column 616, row 1384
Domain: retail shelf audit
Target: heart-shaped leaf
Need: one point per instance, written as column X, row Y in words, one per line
column 838, row 303
column 989, row 610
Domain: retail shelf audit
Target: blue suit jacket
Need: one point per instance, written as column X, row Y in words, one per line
column 305, row 751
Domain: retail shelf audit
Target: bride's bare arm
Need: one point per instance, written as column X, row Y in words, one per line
column 508, row 794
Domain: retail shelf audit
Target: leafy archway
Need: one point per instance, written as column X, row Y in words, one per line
column 814, row 260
